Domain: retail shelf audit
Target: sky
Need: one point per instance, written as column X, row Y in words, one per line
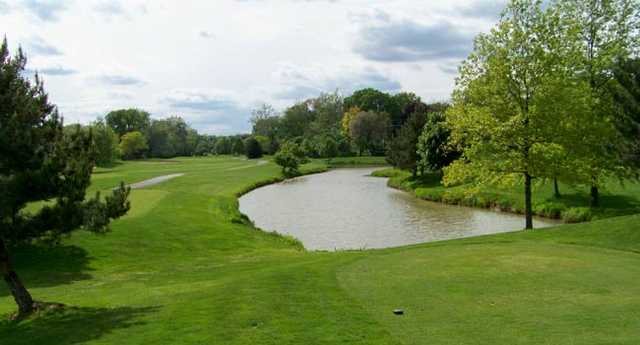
column 213, row 61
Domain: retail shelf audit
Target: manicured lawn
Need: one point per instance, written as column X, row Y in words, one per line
column 184, row 268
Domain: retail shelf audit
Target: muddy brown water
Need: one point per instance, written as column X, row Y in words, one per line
column 348, row 209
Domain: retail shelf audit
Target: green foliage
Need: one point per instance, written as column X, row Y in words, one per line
column 40, row 162
column 106, row 143
column 601, row 33
column 252, row 148
column 123, row 121
column 625, row 90
column 372, row 100
column 577, row 215
column 290, row 157
column 368, row 130
column 506, row 105
column 408, row 104
column 328, row 111
column 402, row 149
column 171, row 137
column 295, row 120
column 133, row 145
column 434, row 150
column 237, row 147
column 223, row 146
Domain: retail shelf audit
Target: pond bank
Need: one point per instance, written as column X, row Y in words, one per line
column 572, row 207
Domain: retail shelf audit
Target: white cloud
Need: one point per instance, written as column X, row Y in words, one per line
column 212, row 61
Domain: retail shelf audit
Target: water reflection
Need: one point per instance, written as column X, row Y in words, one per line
column 348, row 209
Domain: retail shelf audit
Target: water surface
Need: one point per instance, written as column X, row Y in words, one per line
column 348, row 209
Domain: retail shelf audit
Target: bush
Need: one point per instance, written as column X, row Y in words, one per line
column 289, row 157
column 549, row 209
column 577, row 215
column 252, row 148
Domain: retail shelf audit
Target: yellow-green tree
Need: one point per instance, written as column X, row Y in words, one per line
column 498, row 119
column 604, row 32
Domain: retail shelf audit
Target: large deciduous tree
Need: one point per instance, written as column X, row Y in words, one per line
column 38, row 162
column 626, row 92
column 106, row 143
column 370, row 99
column 606, row 32
column 128, row 120
column 368, row 130
column 133, row 145
column 496, row 118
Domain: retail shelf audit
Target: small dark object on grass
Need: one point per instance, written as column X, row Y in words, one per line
column 398, row 312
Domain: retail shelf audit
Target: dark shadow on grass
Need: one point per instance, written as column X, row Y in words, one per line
column 45, row 266
column 428, row 180
column 610, row 205
column 71, row 325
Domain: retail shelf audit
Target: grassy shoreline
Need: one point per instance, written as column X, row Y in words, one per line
column 571, row 208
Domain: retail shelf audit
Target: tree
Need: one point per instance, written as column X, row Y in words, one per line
column 625, row 90
column 264, row 142
column 162, row 140
column 289, row 157
column 296, row 119
column 370, row 99
column 607, row 31
column 171, row 137
column 347, row 118
column 327, row 146
column 38, row 162
column 252, row 148
column 237, row 147
column 223, row 146
column 123, row 121
column 368, row 131
column 328, row 110
column 133, row 145
column 261, row 120
column 408, row 104
column 434, row 150
column 402, row 149
column 106, row 143
column 498, row 120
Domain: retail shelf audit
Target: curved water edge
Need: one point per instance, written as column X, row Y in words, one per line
column 346, row 208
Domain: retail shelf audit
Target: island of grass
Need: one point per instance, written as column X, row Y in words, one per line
column 184, row 267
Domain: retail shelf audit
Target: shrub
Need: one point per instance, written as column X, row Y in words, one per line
column 289, row 157
column 252, row 148
column 577, row 215
column 549, row 209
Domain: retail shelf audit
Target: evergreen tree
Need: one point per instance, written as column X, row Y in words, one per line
column 38, row 162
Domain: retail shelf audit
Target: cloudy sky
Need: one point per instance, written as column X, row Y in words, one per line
column 211, row 62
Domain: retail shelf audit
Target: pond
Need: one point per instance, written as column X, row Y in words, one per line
column 348, row 209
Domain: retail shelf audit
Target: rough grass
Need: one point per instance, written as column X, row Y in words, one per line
column 572, row 207
column 185, row 268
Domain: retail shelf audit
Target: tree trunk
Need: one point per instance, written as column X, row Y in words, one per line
column 528, row 210
column 595, row 196
column 19, row 292
column 556, row 189
column 414, row 172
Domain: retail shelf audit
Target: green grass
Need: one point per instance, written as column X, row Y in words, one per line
column 184, row 267
column 364, row 160
column 573, row 205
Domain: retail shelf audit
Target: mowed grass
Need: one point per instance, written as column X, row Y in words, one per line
column 183, row 268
